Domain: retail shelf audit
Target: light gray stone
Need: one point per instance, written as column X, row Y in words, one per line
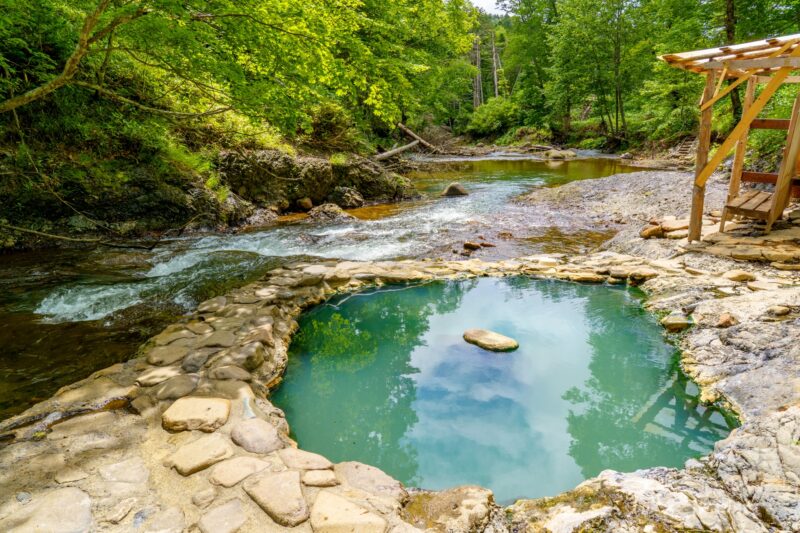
column 131, row 470
column 231, row 471
column 370, row 479
column 167, row 355
column 155, row 375
column 319, row 478
column 225, row 518
column 169, row 520
column 67, row 510
column 205, row 414
column 280, row 495
column 177, row 387
column 303, row 460
column 200, row 454
column 70, row 474
column 489, row 340
column 257, row 436
column 333, row 514
column 204, row 498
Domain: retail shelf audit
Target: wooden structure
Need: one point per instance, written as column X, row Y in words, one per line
column 769, row 63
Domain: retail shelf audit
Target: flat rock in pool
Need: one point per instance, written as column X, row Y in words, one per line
column 489, row 340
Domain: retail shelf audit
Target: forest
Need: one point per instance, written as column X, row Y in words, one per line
column 97, row 96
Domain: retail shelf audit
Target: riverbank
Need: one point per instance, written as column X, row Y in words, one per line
column 122, row 448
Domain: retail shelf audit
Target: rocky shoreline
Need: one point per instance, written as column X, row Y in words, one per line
column 184, row 437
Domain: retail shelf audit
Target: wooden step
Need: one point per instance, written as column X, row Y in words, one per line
column 770, row 124
column 754, row 204
column 770, row 178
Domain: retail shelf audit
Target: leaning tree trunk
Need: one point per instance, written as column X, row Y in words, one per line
column 494, row 68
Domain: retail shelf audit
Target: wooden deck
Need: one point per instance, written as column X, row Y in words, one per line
column 753, row 204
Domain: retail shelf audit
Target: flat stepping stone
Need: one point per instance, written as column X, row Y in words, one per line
column 220, row 339
column 370, row 479
column 155, row 375
column 489, row 340
column 177, row 387
column 257, row 436
column 280, row 496
column 334, row 514
column 303, row 460
column 200, row 454
column 676, row 322
column 231, row 471
column 131, row 470
column 167, row 355
column 205, row 414
column 225, row 518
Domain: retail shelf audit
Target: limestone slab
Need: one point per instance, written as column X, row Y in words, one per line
column 280, row 496
column 167, row 355
column 257, row 436
column 205, row 414
column 319, row 478
column 68, row 509
column 333, row 514
column 490, row 340
column 231, row 471
column 200, row 454
column 225, row 518
column 303, row 460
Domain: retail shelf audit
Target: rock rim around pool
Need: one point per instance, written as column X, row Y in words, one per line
column 490, row 340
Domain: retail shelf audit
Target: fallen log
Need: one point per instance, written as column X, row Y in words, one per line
column 422, row 141
column 390, row 153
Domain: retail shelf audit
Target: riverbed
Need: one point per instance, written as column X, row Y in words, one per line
column 65, row 313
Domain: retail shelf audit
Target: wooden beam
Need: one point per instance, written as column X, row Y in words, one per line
column 770, row 124
column 765, row 79
column 759, row 63
column 703, row 145
column 742, row 78
column 788, row 166
column 741, row 146
column 744, row 123
column 736, row 48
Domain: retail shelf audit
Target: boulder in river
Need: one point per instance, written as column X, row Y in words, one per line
column 346, row 197
column 455, row 189
column 559, row 154
column 329, row 213
column 305, row 204
column 489, row 340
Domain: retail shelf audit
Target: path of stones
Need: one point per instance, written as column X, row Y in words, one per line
column 184, row 438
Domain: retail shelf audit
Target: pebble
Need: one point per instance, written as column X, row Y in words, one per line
column 676, row 322
column 257, row 436
column 205, row 414
column 739, row 275
column 204, row 498
column 280, row 496
column 320, row 478
column 779, row 310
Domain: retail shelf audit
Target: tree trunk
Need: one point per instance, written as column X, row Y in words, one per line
column 730, row 38
column 477, row 95
column 494, row 68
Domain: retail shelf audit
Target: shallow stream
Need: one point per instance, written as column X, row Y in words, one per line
column 64, row 314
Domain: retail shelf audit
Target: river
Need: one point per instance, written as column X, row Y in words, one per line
column 66, row 313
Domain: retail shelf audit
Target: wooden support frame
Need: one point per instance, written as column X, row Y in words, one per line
column 783, row 187
column 703, row 146
column 741, row 146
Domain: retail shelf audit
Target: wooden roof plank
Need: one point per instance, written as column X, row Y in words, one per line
column 709, row 53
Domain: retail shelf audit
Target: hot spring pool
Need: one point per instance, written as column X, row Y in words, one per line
column 385, row 378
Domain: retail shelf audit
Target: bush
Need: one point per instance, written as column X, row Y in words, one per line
column 493, row 118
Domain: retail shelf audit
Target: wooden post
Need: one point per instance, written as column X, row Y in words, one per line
column 741, row 146
column 783, row 184
column 703, row 145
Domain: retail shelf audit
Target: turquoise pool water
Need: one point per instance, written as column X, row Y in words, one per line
column 385, row 378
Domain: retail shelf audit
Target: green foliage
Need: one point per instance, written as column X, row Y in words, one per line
column 494, row 117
